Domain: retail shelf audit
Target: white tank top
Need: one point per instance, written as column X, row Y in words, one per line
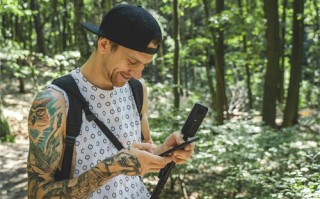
column 117, row 110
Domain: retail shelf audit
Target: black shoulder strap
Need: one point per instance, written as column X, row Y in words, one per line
column 77, row 103
column 74, row 121
column 137, row 92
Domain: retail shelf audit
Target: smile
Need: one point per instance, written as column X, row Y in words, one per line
column 125, row 76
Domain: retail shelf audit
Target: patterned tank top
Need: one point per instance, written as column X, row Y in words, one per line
column 117, row 110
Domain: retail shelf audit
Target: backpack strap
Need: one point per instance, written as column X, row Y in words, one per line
column 73, row 128
column 74, row 119
column 137, row 92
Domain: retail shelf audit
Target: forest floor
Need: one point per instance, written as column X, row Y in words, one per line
column 13, row 156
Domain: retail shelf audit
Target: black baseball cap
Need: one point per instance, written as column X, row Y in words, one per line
column 129, row 26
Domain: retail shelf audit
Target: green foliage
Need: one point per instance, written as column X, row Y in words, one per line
column 5, row 130
column 242, row 158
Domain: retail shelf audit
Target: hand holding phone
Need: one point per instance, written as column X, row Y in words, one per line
column 180, row 146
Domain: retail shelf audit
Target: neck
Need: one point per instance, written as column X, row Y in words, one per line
column 94, row 71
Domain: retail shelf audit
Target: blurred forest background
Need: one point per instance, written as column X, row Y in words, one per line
column 255, row 64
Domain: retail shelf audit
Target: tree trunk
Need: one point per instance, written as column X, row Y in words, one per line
column 317, row 59
column 64, row 26
column 97, row 11
column 272, row 71
column 38, row 26
column 80, row 34
column 176, row 64
column 281, row 71
column 219, row 65
column 291, row 110
column 210, row 63
column 218, row 41
column 248, row 74
column 55, row 25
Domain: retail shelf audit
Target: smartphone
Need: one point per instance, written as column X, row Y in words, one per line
column 194, row 120
column 190, row 127
column 180, row 146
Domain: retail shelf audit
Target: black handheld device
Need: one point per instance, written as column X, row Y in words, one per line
column 180, row 146
column 194, row 120
column 189, row 129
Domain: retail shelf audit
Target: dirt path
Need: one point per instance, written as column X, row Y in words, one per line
column 13, row 175
column 13, row 156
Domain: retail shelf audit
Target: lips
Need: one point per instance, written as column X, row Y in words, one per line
column 127, row 77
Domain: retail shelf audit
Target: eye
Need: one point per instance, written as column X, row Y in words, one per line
column 131, row 62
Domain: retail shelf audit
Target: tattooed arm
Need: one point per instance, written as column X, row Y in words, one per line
column 47, row 125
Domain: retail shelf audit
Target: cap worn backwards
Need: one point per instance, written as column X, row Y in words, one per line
column 130, row 26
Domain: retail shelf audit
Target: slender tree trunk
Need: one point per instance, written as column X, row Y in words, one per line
column 218, row 41
column 222, row 104
column 176, row 64
column 281, row 71
column 64, row 26
column 80, row 34
column 4, row 26
column 317, row 58
column 97, row 11
column 55, row 25
column 291, row 110
column 272, row 72
column 210, row 63
column 248, row 74
column 38, row 26
column 19, row 37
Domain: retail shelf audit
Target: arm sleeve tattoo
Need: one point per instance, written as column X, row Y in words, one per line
column 46, row 126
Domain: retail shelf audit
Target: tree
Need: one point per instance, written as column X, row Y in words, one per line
column 217, row 34
column 221, row 100
column 245, row 49
column 38, row 26
column 176, row 64
column 273, row 55
column 80, row 33
column 283, row 55
column 291, row 110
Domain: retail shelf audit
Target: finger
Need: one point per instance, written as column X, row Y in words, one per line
column 182, row 154
column 190, row 147
column 142, row 146
column 179, row 161
column 174, row 139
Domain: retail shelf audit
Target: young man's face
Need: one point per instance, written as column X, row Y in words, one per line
column 123, row 63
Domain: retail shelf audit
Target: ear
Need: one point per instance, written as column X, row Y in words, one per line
column 103, row 45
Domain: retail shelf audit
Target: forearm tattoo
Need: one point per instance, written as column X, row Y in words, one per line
column 45, row 152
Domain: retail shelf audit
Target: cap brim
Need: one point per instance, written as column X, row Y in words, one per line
column 91, row 27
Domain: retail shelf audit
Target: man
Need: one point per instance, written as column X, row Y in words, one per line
column 128, row 38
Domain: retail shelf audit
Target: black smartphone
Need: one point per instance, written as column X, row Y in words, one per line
column 190, row 127
column 194, row 120
column 180, row 146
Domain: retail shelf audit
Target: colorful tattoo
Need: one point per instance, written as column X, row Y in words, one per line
column 45, row 152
